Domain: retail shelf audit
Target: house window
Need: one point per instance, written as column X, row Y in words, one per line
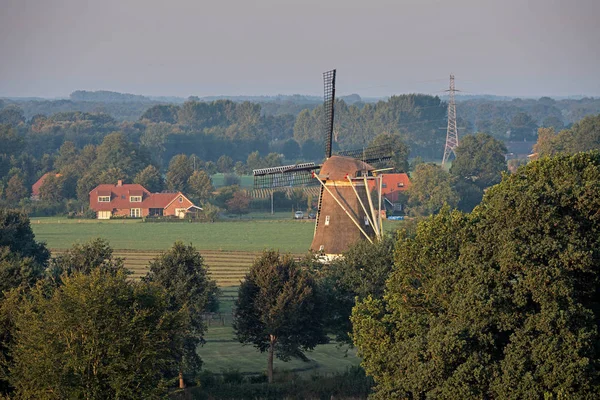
column 156, row 212
column 135, row 212
column 180, row 199
column 384, row 185
column 321, row 247
column 103, row 199
column 326, row 220
column 366, row 221
column 400, row 184
column 135, row 199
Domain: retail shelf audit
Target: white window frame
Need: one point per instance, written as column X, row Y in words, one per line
column 103, row 199
column 135, row 212
column 135, row 199
column 327, row 218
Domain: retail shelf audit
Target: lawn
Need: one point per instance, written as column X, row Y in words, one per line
column 253, row 233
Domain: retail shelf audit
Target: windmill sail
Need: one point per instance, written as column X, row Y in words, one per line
column 285, row 175
column 329, row 86
column 371, row 155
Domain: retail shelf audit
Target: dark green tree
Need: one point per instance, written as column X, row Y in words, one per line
column 183, row 274
column 97, row 336
column 52, row 188
column 479, row 160
column 278, row 309
column 500, row 303
column 361, row 272
column 523, row 127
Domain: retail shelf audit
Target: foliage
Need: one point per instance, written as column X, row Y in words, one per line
column 468, row 315
column 17, row 236
column 431, row 188
column 97, row 336
column 150, row 178
column 83, row 259
column 180, row 170
column 15, row 189
column 583, row 136
column 277, row 309
column 399, row 150
column 239, row 203
column 479, row 160
column 362, row 271
column 181, row 271
column 200, row 186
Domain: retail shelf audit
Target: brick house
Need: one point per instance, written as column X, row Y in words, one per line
column 393, row 186
column 35, row 188
column 135, row 201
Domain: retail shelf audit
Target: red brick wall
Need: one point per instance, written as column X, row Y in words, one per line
column 170, row 210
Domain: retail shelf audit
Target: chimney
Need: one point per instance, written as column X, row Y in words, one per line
column 119, row 182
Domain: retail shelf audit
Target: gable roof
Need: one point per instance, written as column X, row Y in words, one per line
column 394, row 185
column 35, row 188
column 119, row 196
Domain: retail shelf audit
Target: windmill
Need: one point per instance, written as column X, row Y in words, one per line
column 346, row 211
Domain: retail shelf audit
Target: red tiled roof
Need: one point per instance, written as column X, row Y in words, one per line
column 35, row 188
column 394, row 185
column 119, row 196
column 159, row 200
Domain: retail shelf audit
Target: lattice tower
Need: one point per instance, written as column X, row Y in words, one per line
column 452, row 130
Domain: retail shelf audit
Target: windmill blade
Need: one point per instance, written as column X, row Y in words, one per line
column 286, row 175
column 370, row 155
column 329, row 86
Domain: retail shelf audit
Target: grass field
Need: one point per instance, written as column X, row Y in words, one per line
column 243, row 235
column 254, row 233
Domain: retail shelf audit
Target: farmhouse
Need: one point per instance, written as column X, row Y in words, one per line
column 133, row 200
column 392, row 187
column 35, row 189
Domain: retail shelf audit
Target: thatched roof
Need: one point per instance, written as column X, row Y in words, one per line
column 337, row 167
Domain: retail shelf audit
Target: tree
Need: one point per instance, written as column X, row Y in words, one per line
column 431, row 188
column 291, row 149
column 522, row 127
column 150, row 178
column 470, row 316
column 161, row 113
column 51, row 189
column 200, row 186
column 180, row 170
column 117, row 153
column 84, row 258
column 399, row 150
column 17, row 236
column 479, row 160
column 362, row 271
column 255, row 161
column 277, row 309
column 15, row 189
column 583, row 136
column 183, row 274
column 97, row 336
column 225, row 164
column 239, row 203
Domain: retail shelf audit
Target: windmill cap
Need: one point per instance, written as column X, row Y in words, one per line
column 338, row 167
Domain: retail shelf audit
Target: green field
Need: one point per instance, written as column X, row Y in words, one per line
column 238, row 235
column 256, row 232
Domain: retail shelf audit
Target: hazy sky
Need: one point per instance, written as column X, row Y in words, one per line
column 50, row 48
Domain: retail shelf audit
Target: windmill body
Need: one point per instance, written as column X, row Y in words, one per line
column 346, row 212
column 336, row 226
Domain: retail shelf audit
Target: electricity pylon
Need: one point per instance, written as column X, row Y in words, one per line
column 452, row 130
